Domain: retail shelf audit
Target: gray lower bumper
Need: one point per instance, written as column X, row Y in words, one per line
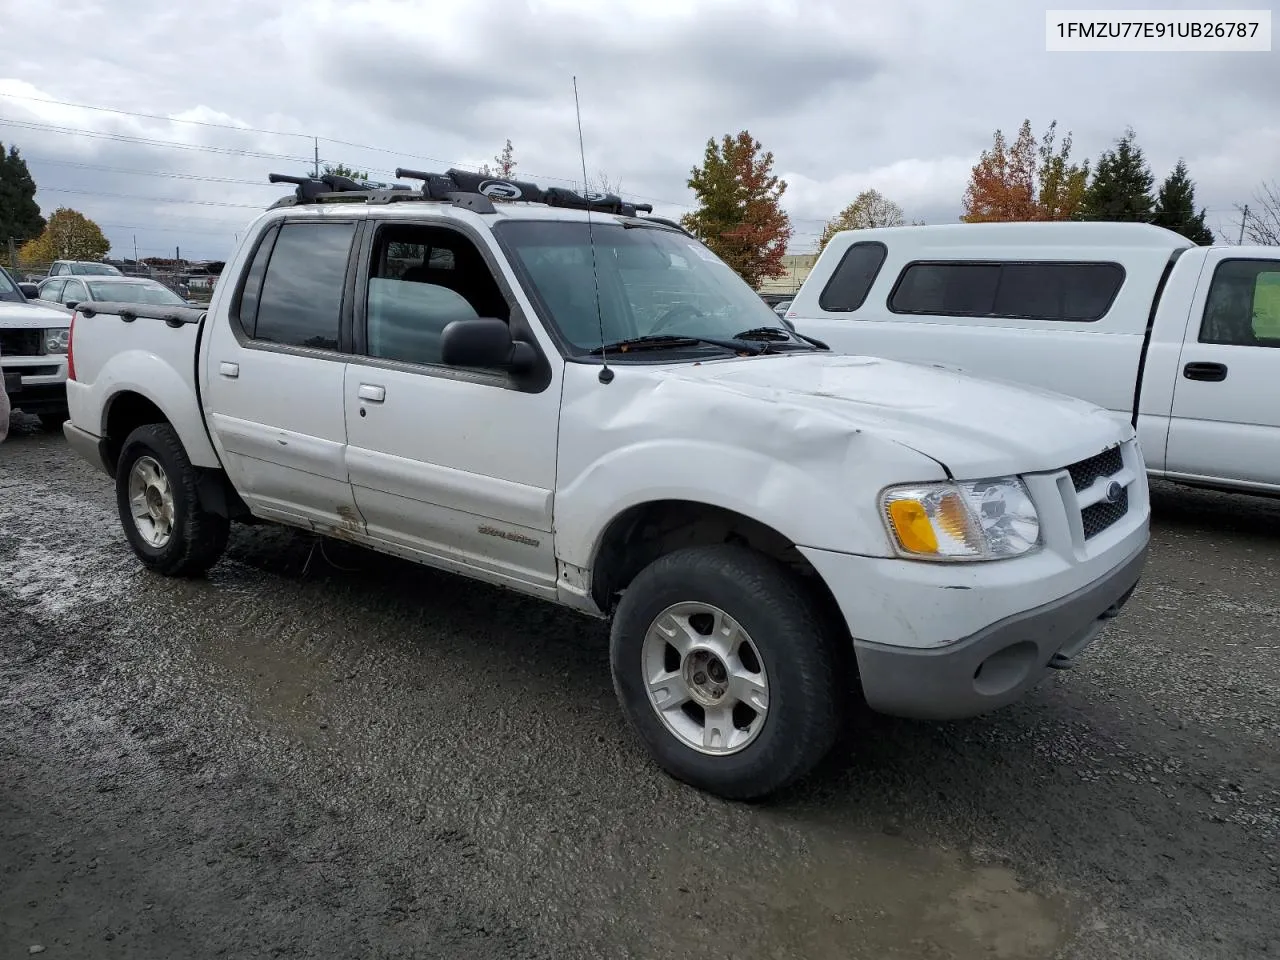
column 998, row 665
column 85, row 444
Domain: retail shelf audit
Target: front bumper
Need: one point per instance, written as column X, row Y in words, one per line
column 997, row 665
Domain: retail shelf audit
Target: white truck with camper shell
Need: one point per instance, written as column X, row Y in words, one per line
column 585, row 405
column 1179, row 340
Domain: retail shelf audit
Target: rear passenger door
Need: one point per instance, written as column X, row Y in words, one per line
column 1226, row 404
column 455, row 467
column 275, row 369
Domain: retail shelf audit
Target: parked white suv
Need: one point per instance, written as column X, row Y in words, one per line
column 33, row 355
column 593, row 409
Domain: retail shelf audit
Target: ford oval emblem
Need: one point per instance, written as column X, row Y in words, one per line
column 1114, row 492
column 500, row 190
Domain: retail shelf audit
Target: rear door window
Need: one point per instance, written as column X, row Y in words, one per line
column 301, row 300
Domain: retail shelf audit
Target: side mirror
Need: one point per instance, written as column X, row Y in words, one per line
column 486, row 343
column 29, row 290
column 71, row 304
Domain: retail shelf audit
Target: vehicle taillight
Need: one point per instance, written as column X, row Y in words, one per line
column 71, row 347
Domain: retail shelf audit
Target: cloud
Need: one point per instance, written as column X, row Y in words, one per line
column 847, row 95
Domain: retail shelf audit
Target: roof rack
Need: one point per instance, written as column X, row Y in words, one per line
column 462, row 188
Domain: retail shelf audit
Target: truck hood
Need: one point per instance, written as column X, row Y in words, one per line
column 975, row 428
column 24, row 316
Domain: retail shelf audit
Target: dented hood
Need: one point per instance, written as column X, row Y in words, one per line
column 973, row 427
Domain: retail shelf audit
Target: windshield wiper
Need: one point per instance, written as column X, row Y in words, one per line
column 657, row 341
column 778, row 335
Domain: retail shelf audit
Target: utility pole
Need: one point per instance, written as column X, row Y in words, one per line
column 135, row 249
column 1244, row 218
column 13, row 254
column 315, row 141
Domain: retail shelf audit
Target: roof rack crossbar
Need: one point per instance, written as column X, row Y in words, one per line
column 462, row 188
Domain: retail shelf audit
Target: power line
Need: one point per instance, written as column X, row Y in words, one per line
column 150, row 141
column 131, row 226
column 128, row 196
column 155, row 116
column 152, row 173
column 264, row 155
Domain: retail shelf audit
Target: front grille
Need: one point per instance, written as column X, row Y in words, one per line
column 21, row 343
column 1097, row 517
column 1105, row 464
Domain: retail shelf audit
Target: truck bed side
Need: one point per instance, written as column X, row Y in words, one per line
column 132, row 362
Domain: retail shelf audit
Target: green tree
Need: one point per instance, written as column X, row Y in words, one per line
column 340, row 170
column 1121, row 185
column 69, row 235
column 869, row 209
column 1176, row 207
column 1062, row 183
column 739, row 213
column 19, row 215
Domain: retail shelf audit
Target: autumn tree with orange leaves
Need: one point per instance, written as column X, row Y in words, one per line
column 739, row 214
column 1026, row 180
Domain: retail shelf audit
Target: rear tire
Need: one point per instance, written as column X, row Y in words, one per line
column 740, row 640
column 156, row 495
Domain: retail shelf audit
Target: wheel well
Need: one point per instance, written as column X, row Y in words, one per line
column 127, row 412
column 641, row 534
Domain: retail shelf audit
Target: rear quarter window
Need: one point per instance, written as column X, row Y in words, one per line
column 847, row 288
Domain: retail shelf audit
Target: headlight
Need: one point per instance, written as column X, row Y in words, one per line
column 56, row 341
column 976, row 520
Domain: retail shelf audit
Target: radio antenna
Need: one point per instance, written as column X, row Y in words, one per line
column 606, row 375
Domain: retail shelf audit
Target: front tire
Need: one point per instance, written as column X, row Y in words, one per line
column 728, row 667
column 156, row 495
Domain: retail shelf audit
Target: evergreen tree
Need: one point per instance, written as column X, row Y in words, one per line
column 19, row 215
column 739, row 213
column 1121, row 185
column 1176, row 207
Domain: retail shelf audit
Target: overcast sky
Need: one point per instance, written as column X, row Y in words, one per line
column 901, row 96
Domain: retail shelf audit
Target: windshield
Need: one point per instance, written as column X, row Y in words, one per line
column 652, row 280
column 135, row 293
column 8, row 289
column 95, row 270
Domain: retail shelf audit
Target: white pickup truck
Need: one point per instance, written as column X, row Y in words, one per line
column 33, row 355
column 588, row 406
column 1177, row 339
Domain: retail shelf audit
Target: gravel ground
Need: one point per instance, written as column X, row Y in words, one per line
column 344, row 755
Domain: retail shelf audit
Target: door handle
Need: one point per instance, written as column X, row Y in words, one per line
column 1213, row 372
column 372, row 393
column 229, row 370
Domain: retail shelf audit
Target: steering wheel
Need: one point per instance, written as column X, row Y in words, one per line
column 671, row 315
